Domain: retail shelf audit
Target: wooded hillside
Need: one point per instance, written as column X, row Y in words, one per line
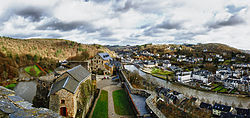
column 17, row 53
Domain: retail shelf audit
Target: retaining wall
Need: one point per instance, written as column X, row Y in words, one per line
column 151, row 97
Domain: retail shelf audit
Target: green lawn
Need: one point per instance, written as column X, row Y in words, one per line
column 37, row 70
column 157, row 75
column 11, row 86
column 121, row 103
column 218, row 88
column 215, row 85
column 101, row 108
column 233, row 91
column 160, row 72
column 223, row 90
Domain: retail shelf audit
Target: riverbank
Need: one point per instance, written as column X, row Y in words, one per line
column 204, row 96
column 182, row 84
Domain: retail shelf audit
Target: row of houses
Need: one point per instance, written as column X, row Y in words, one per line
column 206, row 77
column 169, row 96
column 202, row 76
column 218, row 110
column 225, row 111
column 237, row 78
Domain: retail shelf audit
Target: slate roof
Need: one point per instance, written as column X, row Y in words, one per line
column 78, row 73
column 245, row 112
column 205, row 105
column 221, row 107
column 230, row 115
column 105, row 56
column 71, row 82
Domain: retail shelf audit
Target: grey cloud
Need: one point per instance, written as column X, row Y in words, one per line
column 67, row 26
column 34, row 14
column 98, row 1
column 104, row 32
column 153, row 31
column 135, row 35
column 144, row 26
column 232, row 21
column 169, row 25
column 24, row 36
column 128, row 5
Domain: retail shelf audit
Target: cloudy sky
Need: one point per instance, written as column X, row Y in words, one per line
column 122, row 22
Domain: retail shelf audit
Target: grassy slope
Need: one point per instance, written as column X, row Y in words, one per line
column 57, row 49
column 121, row 103
column 101, row 108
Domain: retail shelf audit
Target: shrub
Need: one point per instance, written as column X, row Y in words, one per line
column 32, row 72
column 58, row 52
column 11, row 86
column 28, row 56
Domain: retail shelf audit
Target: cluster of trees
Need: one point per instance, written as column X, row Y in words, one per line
column 81, row 57
column 135, row 79
column 186, row 111
column 138, row 81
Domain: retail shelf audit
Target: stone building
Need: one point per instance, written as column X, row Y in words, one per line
column 65, row 91
column 102, row 62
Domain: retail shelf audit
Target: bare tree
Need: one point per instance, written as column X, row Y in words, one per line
column 208, row 101
column 233, row 104
column 240, row 105
column 213, row 102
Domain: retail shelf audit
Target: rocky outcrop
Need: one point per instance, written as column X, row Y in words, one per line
column 14, row 106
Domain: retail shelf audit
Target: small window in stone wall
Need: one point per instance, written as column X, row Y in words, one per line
column 62, row 101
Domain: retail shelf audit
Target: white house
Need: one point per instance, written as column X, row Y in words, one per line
column 184, row 77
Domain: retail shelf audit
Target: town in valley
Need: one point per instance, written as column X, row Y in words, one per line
column 124, row 59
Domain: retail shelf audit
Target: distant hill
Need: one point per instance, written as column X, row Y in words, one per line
column 209, row 47
column 215, row 47
column 191, row 50
column 16, row 53
column 246, row 51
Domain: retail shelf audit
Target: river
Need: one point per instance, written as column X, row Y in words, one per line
column 207, row 96
column 26, row 90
